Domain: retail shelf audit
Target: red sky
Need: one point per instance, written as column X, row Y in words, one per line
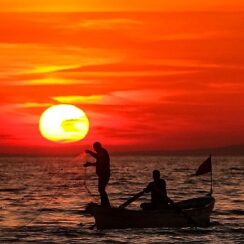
column 147, row 80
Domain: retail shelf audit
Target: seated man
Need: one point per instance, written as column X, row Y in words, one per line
column 159, row 198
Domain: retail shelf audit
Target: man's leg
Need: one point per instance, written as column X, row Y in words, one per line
column 102, row 183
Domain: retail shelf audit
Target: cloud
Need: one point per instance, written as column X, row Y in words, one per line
column 49, row 81
column 78, row 99
column 109, row 24
column 106, row 99
column 48, row 69
column 195, row 35
column 130, row 73
column 44, row 60
column 34, row 105
column 144, row 96
column 4, row 137
column 131, row 97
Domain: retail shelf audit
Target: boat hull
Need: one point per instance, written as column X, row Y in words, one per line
column 193, row 212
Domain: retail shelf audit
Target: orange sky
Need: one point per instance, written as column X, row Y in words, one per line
column 121, row 5
column 147, row 81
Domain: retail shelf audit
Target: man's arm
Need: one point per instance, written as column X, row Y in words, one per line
column 170, row 201
column 94, row 155
column 164, row 193
column 148, row 188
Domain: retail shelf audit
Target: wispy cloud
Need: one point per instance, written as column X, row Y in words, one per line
column 34, row 105
column 78, row 99
column 50, row 81
column 106, row 99
column 48, row 69
column 43, row 59
column 126, row 98
column 109, row 24
column 195, row 35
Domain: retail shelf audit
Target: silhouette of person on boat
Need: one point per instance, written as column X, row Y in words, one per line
column 159, row 198
column 102, row 165
column 187, row 213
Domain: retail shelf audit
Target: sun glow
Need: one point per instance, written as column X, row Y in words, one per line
column 64, row 123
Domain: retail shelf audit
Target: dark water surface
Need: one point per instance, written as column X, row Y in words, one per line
column 42, row 199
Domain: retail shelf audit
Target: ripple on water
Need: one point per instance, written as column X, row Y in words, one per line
column 61, row 218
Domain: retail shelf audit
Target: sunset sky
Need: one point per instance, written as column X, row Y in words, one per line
column 150, row 75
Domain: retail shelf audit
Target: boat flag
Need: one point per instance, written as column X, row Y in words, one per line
column 205, row 167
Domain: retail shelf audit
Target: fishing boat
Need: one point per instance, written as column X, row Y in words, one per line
column 192, row 212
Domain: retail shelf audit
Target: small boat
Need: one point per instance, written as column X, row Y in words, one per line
column 192, row 212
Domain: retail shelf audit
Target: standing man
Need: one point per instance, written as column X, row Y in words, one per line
column 102, row 165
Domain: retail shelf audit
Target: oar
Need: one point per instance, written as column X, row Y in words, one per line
column 132, row 199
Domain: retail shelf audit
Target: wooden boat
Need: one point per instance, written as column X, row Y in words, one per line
column 192, row 212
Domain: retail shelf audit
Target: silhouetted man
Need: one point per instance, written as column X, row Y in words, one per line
column 159, row 198
column 102, row 165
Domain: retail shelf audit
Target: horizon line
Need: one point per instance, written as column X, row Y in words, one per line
column 126, row 11
column 231, row 150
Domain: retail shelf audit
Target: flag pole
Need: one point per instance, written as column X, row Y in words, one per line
column 206, row 167
column 211, row 189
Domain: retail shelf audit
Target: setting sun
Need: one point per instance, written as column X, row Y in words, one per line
column 64, row 123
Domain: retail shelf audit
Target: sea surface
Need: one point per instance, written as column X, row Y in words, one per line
column 42, row 199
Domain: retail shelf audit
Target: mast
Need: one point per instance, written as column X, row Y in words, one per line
column 211, row 175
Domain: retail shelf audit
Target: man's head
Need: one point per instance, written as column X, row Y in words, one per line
column 156, row 175
column 97, row 146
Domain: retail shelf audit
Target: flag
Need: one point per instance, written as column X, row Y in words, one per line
column 205, row 167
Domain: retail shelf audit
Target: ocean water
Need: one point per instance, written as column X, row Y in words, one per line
column 42, row 200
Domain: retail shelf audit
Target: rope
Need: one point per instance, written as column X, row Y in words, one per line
column 86, row 186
